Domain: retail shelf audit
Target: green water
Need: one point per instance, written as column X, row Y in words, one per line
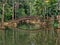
column 20, row 37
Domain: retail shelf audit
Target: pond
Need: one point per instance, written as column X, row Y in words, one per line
column 20, row 37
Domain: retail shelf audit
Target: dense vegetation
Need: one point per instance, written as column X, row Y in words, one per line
column 40, row 8
column 30, row 7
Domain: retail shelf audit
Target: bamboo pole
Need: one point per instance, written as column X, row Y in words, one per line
column 13, row 22
column 2, row 21
column 3, row 16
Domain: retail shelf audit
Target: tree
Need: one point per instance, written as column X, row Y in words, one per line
column 48, row 7
column 8, row 9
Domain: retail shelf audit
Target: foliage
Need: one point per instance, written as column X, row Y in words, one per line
column 0, row 11
column 8, row 12
column 27, row 8
column 31, row 7
column 48, row 7
column 55, row 24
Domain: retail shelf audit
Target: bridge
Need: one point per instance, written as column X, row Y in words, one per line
column 13, row 23
column 28, row 19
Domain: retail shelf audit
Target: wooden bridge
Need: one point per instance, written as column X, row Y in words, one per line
column 27, row 19
column 13, row 23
